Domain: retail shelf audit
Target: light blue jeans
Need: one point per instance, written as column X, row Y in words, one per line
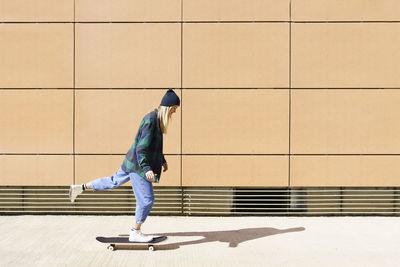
column 142, row 189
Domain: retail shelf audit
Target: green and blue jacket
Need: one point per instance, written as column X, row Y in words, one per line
column 146, row 153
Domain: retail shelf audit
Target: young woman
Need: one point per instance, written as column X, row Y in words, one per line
column 142, row 164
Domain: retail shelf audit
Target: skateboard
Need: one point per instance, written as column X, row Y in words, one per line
column 123, row 241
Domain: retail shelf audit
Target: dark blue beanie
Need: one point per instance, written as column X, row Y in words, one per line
column 170, row 99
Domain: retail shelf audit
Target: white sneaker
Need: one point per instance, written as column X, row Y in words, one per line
column 74, row 191
column 138, row 236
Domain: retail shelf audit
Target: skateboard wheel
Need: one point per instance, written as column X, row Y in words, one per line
column 151, row 248
column 111, row 248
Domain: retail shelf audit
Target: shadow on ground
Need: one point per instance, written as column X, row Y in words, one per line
column 232, row 237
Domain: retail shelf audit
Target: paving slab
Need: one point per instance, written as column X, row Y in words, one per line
column 29, row 240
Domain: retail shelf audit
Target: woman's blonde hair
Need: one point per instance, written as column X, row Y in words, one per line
column 164, row 115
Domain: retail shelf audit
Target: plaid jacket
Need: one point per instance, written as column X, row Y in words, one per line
column 146, row 153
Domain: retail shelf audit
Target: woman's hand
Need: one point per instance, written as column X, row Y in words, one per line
column 165, row 165
column 150, row 176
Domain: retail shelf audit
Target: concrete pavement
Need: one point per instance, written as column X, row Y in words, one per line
column 203, row 241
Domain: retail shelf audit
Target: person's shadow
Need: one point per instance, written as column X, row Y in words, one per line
column 232, row 237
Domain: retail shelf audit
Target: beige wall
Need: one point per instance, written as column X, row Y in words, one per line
column 273, row 92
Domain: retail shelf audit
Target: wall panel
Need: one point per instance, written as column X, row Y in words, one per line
column 36, row 121
column 128, row 55
column 235, row 121
column 347, row 121
column 36, row 55
column 235, row 10
column 344, row 170
column 345, row 10
column 36, row 170
column 223, row 55
column 331, row 55
column 128, row 10
column 233, row 171
column 36, row 11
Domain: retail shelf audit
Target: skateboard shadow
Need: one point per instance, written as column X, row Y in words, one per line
column 233, row 237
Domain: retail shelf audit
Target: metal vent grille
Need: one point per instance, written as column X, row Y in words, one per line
column 55, row 200
column 314, row 201
column 292, row 201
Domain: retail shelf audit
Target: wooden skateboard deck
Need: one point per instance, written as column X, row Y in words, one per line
column 123, row 242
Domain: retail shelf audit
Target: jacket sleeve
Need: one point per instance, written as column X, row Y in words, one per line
column 163, row 159
column 142, row 147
